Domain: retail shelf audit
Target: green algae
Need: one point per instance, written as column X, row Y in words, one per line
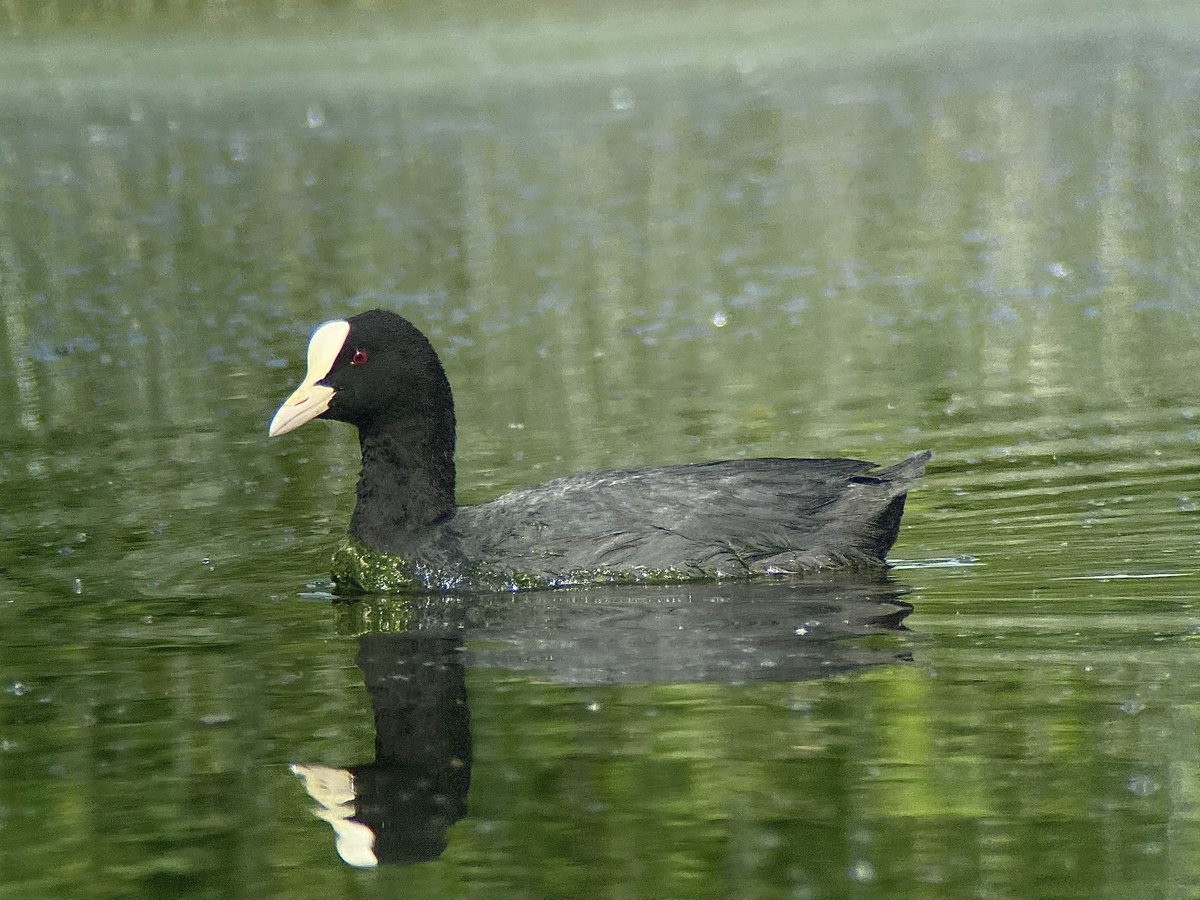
column 359, row 569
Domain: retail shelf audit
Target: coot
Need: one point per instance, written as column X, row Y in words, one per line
column 730, row 519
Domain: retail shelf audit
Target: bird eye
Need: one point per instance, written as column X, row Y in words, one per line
column 359, row 357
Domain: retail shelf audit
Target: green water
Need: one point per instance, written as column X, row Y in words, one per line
column 766, row 230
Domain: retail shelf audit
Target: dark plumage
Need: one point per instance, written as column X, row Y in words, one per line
column 709, row 520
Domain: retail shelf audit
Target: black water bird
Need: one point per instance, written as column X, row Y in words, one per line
column 714, row 520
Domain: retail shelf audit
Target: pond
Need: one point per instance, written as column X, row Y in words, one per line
column 778, row 232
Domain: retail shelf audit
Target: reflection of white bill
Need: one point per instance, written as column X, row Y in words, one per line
column 333, row 789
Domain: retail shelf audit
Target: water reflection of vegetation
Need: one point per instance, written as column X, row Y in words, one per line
column 765, row 250
column 498, row 241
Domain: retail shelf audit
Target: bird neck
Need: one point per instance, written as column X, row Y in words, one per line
column 406, row 483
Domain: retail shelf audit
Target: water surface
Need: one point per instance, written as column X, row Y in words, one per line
column 982, row 242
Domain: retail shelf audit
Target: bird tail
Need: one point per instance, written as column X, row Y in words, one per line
column 895, row 481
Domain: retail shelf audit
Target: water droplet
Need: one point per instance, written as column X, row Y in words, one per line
column 239, row 148
column 1140, row 785
column 621, row 99
column 315, row 116
column 594, row 706
column 744, row 63
column 862, row 872
column 1131, row 706
column 18, row 689
column 719, row 319
column 77, row 586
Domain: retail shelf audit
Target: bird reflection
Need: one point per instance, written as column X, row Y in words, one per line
column 399, row 807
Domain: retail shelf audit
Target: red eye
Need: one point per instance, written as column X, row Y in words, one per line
column 359, row 357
